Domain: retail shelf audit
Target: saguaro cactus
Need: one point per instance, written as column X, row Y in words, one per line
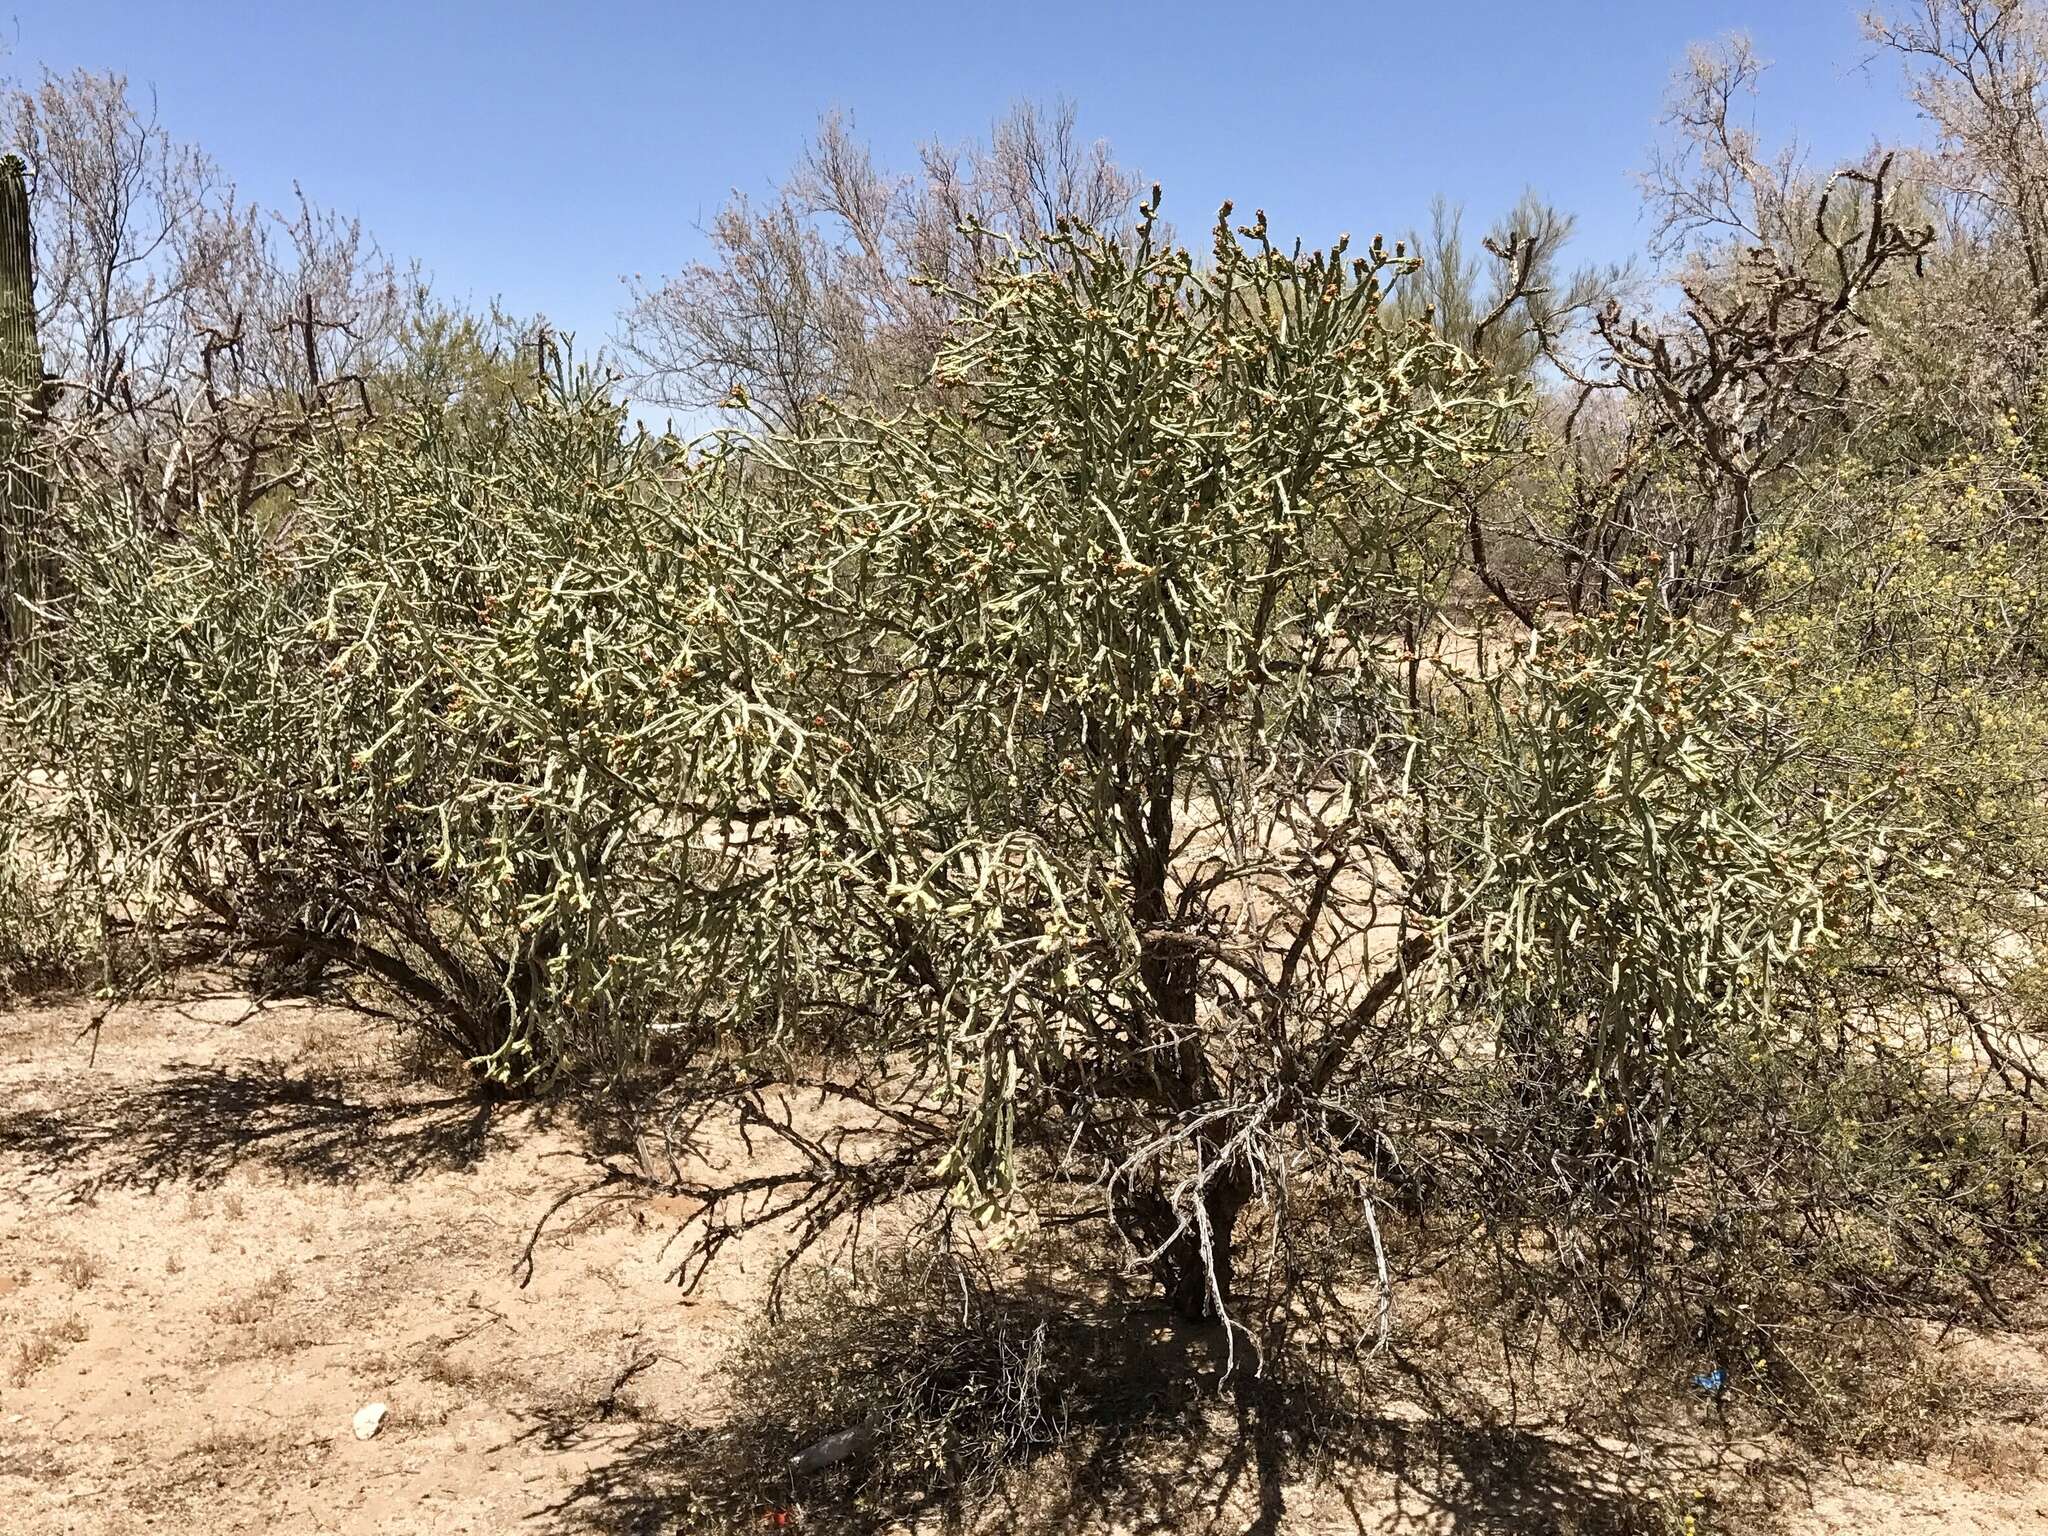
column 21, row 383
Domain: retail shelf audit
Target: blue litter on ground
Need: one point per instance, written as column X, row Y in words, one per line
column 1712, row 1381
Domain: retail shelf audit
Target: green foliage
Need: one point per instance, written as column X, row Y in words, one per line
column 1659, row 864
column 993, row 668
column 1103, row 781
column 1099, row 776
column 1106, row 752
column 1097, row 753
column 49, row 931
column 1915, row 603
column 262, row 728
column 459, row 363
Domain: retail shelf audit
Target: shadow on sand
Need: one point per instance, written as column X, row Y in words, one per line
column 1153, row 1451
column 199, row 1124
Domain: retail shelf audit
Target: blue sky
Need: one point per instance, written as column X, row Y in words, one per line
column 541, row 151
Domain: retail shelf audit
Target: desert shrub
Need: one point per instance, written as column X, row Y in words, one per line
column 1120, row 783
column 258, row 722
column 50, row 924
column 1101, row 779
column 1913, row 605
column 1844, row 1146
column 49, row 930
column 1110, row 754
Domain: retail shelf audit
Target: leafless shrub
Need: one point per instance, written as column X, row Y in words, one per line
column 839, row 287
column 907, row 1382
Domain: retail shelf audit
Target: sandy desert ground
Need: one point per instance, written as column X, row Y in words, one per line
column 238, row 1223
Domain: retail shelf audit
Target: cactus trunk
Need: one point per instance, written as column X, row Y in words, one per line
column 22, row 562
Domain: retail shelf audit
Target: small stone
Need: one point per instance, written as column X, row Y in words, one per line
column 370, row 1419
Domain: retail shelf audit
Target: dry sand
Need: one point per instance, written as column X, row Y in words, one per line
column 241, row 1223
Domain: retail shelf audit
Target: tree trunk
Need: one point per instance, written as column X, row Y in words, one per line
column 1193, row 1275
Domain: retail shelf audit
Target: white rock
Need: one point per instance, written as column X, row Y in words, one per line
column 833, row 1449
column 370, row 1419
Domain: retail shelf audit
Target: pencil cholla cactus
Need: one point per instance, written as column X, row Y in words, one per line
column 1099, row 754
column 1101, row 778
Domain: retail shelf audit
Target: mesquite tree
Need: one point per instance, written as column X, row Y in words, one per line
column 839, row 288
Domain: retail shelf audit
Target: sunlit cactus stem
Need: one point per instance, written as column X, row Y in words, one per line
column 21, row 383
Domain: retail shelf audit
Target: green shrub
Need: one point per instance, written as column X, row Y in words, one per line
column 1093, row 778
column 1117, row 767
column 260, row 723
column 49, row 934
